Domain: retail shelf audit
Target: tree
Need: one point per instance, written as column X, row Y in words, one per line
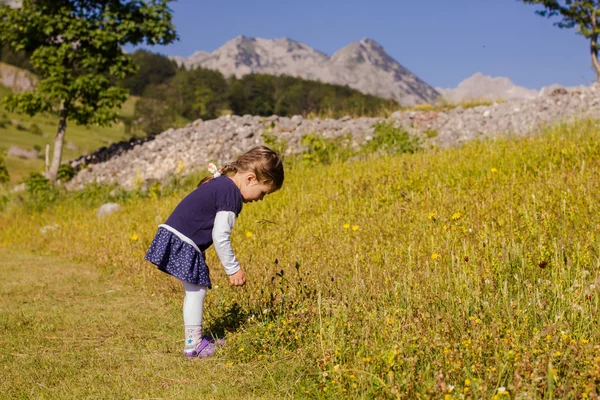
column 153, row 116
column 153, row 69
column 199, row 93
column 583, row 15
column 76, row 50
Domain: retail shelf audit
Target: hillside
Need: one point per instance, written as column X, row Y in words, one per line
column 34, row 133
column 363, row 65
column 471, row 270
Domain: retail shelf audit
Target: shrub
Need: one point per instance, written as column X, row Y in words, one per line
column 321, row 150
column 41, row 192
column 36, row 130
column 4, row 177
column 66, row 172
column 390, row 138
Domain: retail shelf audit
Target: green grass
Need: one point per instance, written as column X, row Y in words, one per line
column 71, row 332
column 444, row 273
column 85, row 139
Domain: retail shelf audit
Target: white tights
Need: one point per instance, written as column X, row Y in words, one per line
column 193, row 305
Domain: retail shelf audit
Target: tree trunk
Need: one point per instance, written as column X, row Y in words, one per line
column 594, row 52
column 594, row 44
column 58, row 142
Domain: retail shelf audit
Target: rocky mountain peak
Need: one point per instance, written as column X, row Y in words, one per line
column 480, row 86
column 362, row 65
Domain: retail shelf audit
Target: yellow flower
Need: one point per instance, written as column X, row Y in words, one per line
column 456, row 216
column 435, row 256
column 432, row 215
column 134, row 237
column 346, row 226
column 493, row 170
column 467, row 382
column 354, row 227
column 248, row 234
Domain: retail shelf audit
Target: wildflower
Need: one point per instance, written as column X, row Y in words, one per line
column 456, row 216
column 346, row 226
column 432, row 215
column 493, row 170
column 134, row 237
column 467, row 382
column 435, row 256
column 355, row 227
column 248, row 234
column 241, row 349
column 450, row 388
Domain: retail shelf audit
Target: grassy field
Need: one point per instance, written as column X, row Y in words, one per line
column 465, row 273
column 16, row 130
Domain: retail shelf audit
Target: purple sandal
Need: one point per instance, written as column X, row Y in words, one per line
column 205, row 348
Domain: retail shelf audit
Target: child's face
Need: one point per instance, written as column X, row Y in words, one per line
column 252, row 189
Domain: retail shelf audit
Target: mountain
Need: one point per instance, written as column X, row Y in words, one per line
column 13, row 3
column 363, row 65
column 483, row 87
column 17, row 79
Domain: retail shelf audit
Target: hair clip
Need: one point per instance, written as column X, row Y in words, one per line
column 212, row 168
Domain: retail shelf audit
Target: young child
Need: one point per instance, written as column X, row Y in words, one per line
column 204, row 217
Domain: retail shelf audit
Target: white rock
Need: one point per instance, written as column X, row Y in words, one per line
column 107, row 209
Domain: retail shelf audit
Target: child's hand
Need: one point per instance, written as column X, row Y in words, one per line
column 238, row 279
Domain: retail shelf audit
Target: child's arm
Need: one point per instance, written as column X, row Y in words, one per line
column 221, row 235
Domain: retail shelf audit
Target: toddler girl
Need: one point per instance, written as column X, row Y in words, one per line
column 204, row 217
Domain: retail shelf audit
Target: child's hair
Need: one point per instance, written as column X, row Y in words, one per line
column 260, row 160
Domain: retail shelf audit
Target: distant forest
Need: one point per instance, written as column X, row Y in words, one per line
column 168, row 93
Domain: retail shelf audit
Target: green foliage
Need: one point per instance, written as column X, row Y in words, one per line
column 41, row 192
column 4, row 177
column 321, row 150
column 389, row 138
column 153, row 69
column 199, row 93
column 17, row 58
column 76, row 51
column 153, row 116
column 259, row 94
column 66, row 172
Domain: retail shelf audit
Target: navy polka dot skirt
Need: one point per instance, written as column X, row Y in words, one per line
column 178, row 258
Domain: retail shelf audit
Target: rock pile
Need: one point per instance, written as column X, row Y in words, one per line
column 222, row 139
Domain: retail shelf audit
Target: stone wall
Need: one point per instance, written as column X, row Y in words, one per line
column 222, row 139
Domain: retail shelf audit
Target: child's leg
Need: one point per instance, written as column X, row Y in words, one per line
column 193, row 305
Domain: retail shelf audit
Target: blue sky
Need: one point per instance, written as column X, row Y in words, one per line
column 441, row 41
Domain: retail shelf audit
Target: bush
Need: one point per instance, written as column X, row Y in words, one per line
column 390, row 138
column 321, row 150
column 41, row 192
column 4, row 177
column 36, row 130
column 66, row 172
